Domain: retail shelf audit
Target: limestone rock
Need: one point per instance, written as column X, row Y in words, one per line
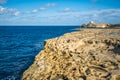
column 88, row 54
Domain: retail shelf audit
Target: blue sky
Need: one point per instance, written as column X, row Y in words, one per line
column 58, row 12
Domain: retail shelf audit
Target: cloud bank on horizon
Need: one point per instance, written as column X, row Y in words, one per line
column 58, row 12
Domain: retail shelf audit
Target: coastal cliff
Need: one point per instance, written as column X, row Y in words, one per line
column 88, row 54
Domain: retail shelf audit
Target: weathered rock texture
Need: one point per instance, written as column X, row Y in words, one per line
column 90, row 54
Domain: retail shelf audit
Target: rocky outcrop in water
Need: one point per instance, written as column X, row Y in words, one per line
column 88, row 54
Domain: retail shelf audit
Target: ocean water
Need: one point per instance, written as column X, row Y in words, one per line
column 20, row 44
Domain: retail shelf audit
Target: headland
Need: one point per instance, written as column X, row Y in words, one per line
column 87, row 54
column 91, row 24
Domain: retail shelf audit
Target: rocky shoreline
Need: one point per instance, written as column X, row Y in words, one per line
column 88, row 54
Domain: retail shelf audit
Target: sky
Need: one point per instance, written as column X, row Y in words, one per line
column 59, row 12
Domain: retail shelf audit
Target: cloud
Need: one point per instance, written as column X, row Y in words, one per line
column 16, row 13
column 1, row 9
column 64, row 18
column 42, row 9
column 38, row 10
column 9, row 11
column 50, row 5
column 3, row 1
column 35, row 10
column 67, row 10
column 101, row 16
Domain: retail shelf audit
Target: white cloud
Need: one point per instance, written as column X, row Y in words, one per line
column 3, row 1
column 9, row 11
column 50, row 4
column 35, row 10
column 67, row 10
column 16, row 13
column 102, row 16
column 42, row 8
column 65, row 18
column 1, row 9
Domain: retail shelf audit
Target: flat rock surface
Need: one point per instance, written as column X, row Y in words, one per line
column 87, row 54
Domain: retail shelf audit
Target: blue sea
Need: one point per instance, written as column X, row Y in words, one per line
column 20, row 44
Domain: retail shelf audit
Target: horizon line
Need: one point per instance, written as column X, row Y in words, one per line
column 39, row 25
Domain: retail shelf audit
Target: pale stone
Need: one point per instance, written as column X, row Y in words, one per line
column 79, row 55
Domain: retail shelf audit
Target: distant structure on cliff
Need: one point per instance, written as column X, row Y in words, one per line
column 94, row 25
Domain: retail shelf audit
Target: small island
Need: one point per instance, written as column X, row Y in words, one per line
column 87, row 54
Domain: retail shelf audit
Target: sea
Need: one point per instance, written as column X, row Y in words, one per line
column 20, row 44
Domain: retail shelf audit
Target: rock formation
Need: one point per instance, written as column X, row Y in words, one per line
column 88, row 54
column 92, row 24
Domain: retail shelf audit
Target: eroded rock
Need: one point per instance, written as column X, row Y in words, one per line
column 82, row 55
